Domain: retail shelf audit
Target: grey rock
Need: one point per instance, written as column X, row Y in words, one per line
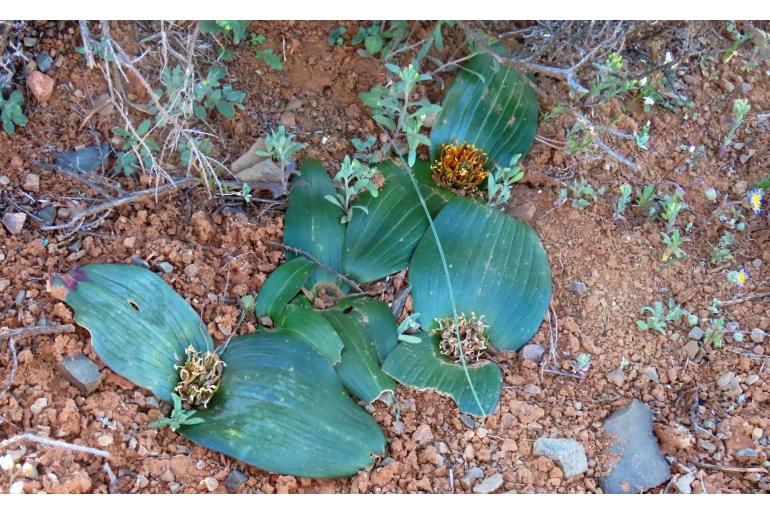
column 569, row 454
column 234, row 480
column 30, row 42
column 84, row 160
column 616, row 377
column 166, row 267
column 757, row 263
column 641, row 465
column 747, row 453
column 82, row 373
column 728, row 381
column 707, row 446
column 533, row 352
column 732, row 326
column 650, row 372
column 757, row 335
column 692, row 349
column 489, row 485
column 14, row 222
column 684, row 482
column 44, row 61
column 470, row 477
column 696, row 333
column 47, row 214
column 468, row 421
column 578, row 287
column 746, row 88
column 422, row 435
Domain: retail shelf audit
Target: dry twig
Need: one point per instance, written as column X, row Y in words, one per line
column 26, row 332
column 298, row 251
column 53, row 443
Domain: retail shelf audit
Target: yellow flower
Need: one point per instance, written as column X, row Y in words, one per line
column 460, row 167
column 755, row 200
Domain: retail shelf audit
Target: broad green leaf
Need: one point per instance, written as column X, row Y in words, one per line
column 376, row 320
column 282, row 285
column 381, row 243
column 140, row 327
column 311, row 326
column 313, row 223
column 497, row 266
column 422, row 366
column 281, row 407
column 359, row 369
column 498, row 115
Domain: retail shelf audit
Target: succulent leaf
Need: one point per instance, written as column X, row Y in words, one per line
column 282, row 285
column 498, row 269
column 497, row 114
column 311, row 327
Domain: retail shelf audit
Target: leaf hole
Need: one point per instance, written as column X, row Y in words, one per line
column 347, row 310
column 133, row 305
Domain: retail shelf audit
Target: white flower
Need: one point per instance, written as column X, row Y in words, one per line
column 669, row 57
column 643, row 82
column 6, row 463
column 649, row 101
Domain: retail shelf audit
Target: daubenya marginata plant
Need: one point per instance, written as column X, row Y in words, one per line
column 499, row 280
column 267, row 398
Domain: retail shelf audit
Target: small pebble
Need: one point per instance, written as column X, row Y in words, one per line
column 489, row 485
column 578, row 287
column 211, row 484
column 696, row 333
column 757, row 335
column 234, row 480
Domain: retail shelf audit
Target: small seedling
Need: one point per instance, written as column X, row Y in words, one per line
column 643, row 137
column 179, row 417
column 394, row 108
column 658, row 320
column 353, row 178
column 501, row 181
column 335, row 36
column 204, row 145
column 715, row 333
column 578, row 139
column 672, row 206
column 137, row 152
column 611, row 79
column 582, row 192
column 582, row 364
column 722, row 253
column 235, row 29
column 741, row 107
column 270, row 58
column 10, row 111
column 673, row 243
column 626, row 193
column 409, row 325
column 281, row 147
column 645, row 199
column 364, row 149
column 246, row 193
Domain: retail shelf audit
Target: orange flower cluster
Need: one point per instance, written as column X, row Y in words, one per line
column 460, row 167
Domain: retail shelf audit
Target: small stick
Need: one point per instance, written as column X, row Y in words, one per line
column 14, row 364
column 86, row 35
column 119, row 201
column 747, row 298
column 295, row 250
column 723, row 468
column 26, row 332
column 54, row 443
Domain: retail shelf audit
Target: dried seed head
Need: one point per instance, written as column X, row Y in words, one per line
column 460, row 167
column 199, row 378
column 472, row 338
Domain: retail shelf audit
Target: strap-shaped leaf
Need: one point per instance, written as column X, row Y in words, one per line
column 282, row 285
column 497, row 114
column 359, row 369
column 281, row 407
column 498, row 270
column 381, row 241
column 311, row 327
column 421, row 365
column 140, row 327
column 313, row 223
column 376, row 320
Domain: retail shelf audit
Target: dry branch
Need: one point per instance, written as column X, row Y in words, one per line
column 53, row 443
column 26, row 332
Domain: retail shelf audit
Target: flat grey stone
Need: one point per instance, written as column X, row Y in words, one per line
column 641, row 465
column 489, row 484
column 14, row 222
column 82, row 373
column 569, row 454
column 696, row 333
column 166, row 267
column 44, row 61
column 578, row 287
column 470, row 477
column 234, row 480
column 757, row 335
column 533, row 352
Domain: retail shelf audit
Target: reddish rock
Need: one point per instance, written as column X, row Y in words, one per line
column 41, row 86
